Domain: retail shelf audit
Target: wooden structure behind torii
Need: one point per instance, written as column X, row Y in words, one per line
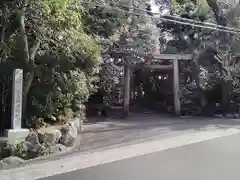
column 174, row 67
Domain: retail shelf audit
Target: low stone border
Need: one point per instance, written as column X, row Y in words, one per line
column 42, row 143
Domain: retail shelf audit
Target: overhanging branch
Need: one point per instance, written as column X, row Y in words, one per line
column 34, row 50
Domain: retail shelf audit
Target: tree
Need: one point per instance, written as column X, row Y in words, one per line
column 126, row 31
column 60, row 60
column 215, row 52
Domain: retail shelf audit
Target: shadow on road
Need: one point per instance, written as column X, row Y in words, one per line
column 139, row 126
column 143, row 121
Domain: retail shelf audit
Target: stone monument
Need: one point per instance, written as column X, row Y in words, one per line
column 17, row 133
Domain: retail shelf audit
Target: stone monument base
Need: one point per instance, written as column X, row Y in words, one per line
column 16, row 135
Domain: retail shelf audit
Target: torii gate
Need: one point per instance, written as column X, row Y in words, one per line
column 174, row 66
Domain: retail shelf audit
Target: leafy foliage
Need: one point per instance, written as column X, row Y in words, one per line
column 66, row 63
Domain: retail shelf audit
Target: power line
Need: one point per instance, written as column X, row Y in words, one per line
column 210, row 25
column 236, row 31
column 187, row 19
column 206, row 23
column 231, row 30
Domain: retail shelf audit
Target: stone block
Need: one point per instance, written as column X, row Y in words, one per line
column 16, row 135
column 49, row 135
column 71, row 132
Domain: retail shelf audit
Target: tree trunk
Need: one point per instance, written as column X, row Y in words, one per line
column 196, row 71
column 225, row 40
column 226, row 95
column 28, row 58
column 25, row 51
column 220, row 18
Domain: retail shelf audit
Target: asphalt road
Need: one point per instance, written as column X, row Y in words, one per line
column 208, row 160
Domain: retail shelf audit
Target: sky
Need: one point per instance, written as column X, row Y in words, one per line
column 155, row 8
